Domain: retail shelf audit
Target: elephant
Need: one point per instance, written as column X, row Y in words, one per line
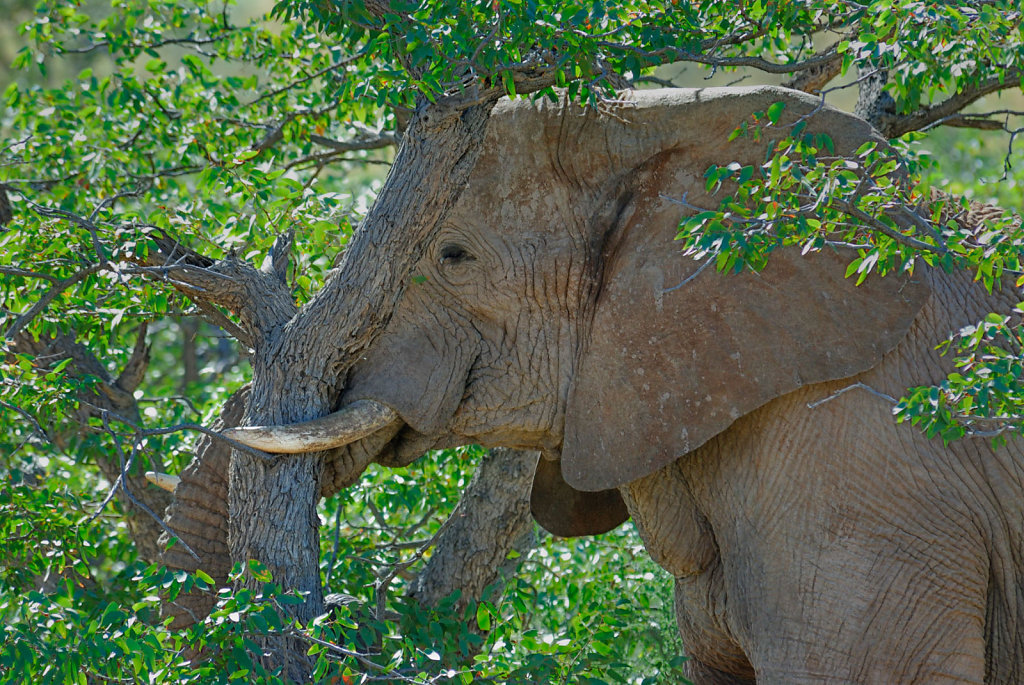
column 743, row 421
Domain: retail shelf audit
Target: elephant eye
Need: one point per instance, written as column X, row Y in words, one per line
column 455, row 254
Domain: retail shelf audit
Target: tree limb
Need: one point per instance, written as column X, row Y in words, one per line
column 260, row 300
column 49, row 296
column 896, row 126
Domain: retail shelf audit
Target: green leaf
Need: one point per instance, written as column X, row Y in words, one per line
column 483, row 617
column 775, row 111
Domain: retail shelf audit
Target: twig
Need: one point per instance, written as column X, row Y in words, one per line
column 218, row 318
column 888, row 398
column 187, row 40
column 123, row 480
column 337, row 544
column 187, row 401
column 48, row 297
column 145, row 184
column 382, row 583
column 692, row 276
column 14, row 271
column 306, row 79
column 36, row 428
column 150, row 432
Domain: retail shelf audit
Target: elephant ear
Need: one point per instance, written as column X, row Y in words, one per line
column 676, row 355
column 666, row 370
column 567, row 512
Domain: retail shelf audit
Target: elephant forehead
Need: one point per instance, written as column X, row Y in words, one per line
column 512, row 197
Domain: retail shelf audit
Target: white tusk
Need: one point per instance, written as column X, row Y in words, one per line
column 348, row 424
column 163, row 480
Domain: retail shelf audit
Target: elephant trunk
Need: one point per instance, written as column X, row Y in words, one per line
column 349, row 424
column 198, row 516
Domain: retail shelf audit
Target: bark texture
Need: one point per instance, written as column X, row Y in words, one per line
column 492, row 519
column 874, row 104
column 298, row 365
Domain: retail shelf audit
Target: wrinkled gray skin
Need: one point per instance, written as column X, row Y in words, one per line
column 823, row 544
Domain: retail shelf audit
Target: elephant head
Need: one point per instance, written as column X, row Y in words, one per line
column 555, row 311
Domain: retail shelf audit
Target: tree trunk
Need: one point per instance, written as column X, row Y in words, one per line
column 492, row 518
column 874, row 104
column 298, row 366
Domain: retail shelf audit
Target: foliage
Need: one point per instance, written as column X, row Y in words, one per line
column 579, row 611
column 184, row 118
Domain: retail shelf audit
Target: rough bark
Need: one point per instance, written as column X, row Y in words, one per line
column 492, row 519
column 298, row 366
column 300, row 359
column 874, row 104
column 878, row 108
column 199, row 517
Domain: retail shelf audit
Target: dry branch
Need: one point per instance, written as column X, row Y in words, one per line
column 260, row 299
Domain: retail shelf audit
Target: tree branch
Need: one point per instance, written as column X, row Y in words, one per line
column 896, row 126
column 977, row 120
column 381, row 140
column 816, row 78
column 260, row 300
column 187, row 40
column 49, row 296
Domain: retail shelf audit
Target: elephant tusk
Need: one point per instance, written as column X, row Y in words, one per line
column 163, row 480
column 348, row 424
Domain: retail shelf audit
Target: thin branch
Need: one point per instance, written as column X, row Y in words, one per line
column 49, row 296
column 679, row 54
column 651, row 78
column 187, row 401
column 15, row 143
column 177, row 428
column 862, row 386
column 977, row 120
column 692, row 276
column 882, row 227
column 14, row 271
column 36, row 428
column 897, row 126
column 384, row 581
column 187, row 40
column 306, row 79
column 335, row 547
column 381, row 140
column 138, row 190
column 218, row 318
column 123, row 480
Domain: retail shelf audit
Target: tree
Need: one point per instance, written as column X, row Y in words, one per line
column 151, row 185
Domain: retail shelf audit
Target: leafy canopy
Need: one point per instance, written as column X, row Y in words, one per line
column 153, row 119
